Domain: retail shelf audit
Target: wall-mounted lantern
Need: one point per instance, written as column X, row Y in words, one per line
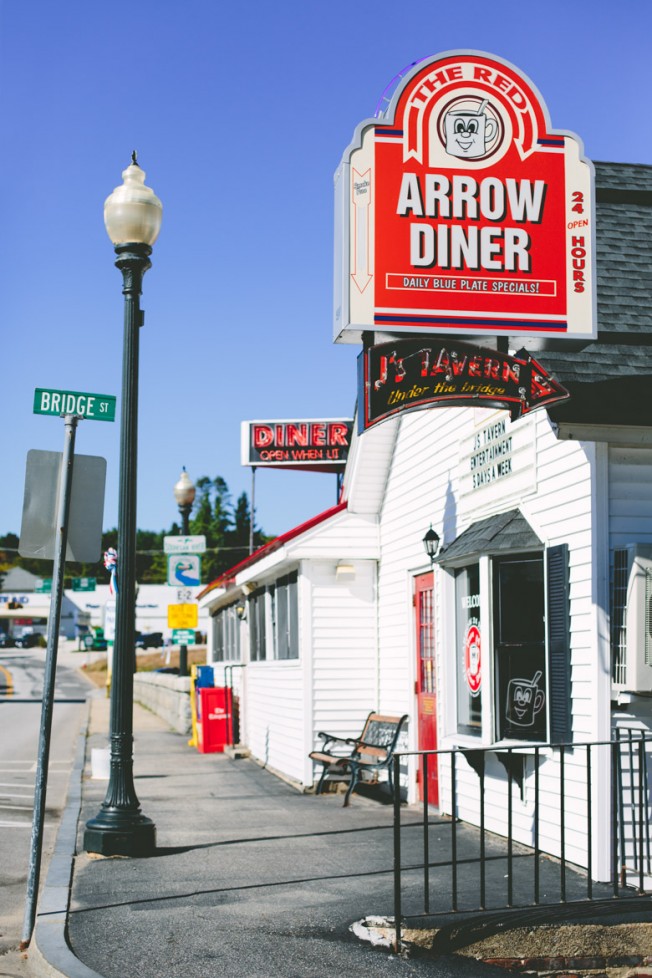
column 431, row 543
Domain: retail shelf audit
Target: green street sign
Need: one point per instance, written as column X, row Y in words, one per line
column 96, row 407
column 43, row 585
column 183, row 636
column 84, row 583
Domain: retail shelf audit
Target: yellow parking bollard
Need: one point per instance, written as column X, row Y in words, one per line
column 193, row 707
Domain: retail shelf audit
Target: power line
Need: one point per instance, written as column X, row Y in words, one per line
column 146, row 553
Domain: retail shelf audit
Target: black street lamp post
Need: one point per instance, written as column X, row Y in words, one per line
column 184, row 493
column 132, row 214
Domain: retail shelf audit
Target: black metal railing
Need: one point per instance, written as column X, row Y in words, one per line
column 535, row 849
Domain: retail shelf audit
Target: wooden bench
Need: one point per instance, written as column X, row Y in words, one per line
column 369, row 753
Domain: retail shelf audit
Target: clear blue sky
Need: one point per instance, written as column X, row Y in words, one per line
column 240, row 114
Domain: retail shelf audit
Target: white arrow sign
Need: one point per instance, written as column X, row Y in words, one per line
column 361, row 192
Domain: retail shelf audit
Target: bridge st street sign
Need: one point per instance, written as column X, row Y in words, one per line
column 95, row 407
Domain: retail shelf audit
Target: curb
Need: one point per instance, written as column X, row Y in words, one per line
column 49, row 947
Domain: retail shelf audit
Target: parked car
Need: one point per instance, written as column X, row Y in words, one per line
column 31, row 640
column 149, row 640
column 6, row 641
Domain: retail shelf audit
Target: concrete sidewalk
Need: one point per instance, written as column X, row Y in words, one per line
column 251, row 879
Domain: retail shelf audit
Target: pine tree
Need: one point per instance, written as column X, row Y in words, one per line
column 226, row 530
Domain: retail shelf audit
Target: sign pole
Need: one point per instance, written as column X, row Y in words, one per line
column 65, row 492
column 252, row 513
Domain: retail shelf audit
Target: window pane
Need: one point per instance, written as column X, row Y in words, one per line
column 520, row 604
column 219, row 637
column 426, row 640
column 521, row 693
column 226, row 632
column 293, row 617
column 257, row 626
column 282, row 619
column 468, row 644
column 520, row 655
column 273, row 616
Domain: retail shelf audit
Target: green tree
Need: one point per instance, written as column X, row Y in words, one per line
column 225, row 527
column 201, row 522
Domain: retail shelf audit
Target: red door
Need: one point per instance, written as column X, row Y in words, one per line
column 426, row 686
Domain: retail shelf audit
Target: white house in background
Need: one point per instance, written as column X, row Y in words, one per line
column 308, row 637
column 531, row 625
column 152, row 602
column 22, row 608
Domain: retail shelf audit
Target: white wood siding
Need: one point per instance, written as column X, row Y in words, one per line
column 333, row 684
column 630, row 496
column 366, row 471
column 275, row 716
column 423, row 488
column 345, row 668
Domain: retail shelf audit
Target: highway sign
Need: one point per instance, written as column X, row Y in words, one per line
column 184, row 570
column 184, row 545
column 182, row 616
column 43, row 585
column 96, row 407
column 183, row 636
column 84, row 583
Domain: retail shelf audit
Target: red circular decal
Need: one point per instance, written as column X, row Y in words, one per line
column 472, row 659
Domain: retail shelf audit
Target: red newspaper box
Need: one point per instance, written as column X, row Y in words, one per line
column 213, row 718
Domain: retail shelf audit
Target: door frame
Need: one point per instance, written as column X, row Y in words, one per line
column 421, row 584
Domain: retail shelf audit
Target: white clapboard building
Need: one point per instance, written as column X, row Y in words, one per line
column 532, row 624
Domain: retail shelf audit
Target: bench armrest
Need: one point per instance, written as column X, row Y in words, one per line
column 363, row 743
column 327, row 738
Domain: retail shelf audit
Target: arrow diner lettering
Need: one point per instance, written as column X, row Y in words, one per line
column 464, row 198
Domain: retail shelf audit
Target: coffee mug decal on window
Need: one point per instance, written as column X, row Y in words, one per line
column 524, row 701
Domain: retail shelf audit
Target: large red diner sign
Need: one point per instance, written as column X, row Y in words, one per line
column 462, row 211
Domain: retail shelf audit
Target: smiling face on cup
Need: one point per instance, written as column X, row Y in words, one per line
column 468, row 133
column 524, row 701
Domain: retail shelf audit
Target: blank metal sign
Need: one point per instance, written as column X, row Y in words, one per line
column 40, row 506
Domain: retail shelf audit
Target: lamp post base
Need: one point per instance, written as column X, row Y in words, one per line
column 134, row 836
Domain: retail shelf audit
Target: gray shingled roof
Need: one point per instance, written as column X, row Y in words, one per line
column 504, row 533
column 595, row 375
column 19, row 579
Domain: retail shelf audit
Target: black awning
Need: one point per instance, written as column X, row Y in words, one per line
column 503, row 533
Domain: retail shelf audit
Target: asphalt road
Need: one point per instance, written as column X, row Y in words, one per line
column 21, row 691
